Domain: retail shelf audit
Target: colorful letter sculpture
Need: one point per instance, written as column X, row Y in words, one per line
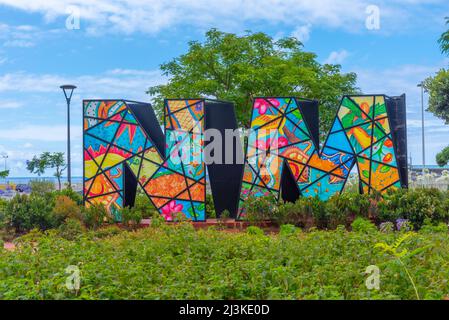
column 283, row 147
column 124, row 147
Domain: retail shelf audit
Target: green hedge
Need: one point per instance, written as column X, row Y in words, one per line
column 177, row 262
column 415, row 205
column 47, row 210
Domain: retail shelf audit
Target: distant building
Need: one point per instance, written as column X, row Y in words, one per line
column 433, row 168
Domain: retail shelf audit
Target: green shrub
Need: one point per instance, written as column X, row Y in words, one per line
column 41, row 187
column 71, row 229
column 157, row 220
column 65, row 208
column 24, row 213
column 288, row 230
column 210, row 207
column 258, row 209
column 108, row 231
column 429, row 227
column 144, row 205
column 177, row 262
column 386, row 227
column 253, row 230
column 415, row 205
column 363, row 225
column 95, row 216
column 131, row 217
column 70, row 193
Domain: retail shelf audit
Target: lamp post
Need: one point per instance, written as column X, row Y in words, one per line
column 421, row 85
column 68, row 92
column 5, row 156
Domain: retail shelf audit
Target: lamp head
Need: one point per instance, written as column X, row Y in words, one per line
column 68, row 90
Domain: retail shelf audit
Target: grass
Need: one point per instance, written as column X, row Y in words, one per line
column 177, row 262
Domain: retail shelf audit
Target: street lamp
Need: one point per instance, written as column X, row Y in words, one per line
column 421, row 85
column 68, row 92
column 5, row 156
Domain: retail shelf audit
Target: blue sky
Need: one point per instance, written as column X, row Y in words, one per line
column 119, row 46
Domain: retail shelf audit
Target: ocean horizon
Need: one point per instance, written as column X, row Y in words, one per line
column 26, row 180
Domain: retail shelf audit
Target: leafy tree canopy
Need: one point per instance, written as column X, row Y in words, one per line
column 444, row 39
column 238, row 68
column 4, row 174
column 48, row 160
column 438, row 88
column 443, row 157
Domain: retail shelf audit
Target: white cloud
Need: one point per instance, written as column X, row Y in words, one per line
column 153, row 16
column 45, row 133
column 337, row 57
column 9, row 104
column 302, row 33
column 117, row 83
column 19, row 36
column 19, row 43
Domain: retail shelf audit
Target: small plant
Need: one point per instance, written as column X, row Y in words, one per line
column 131, row 217
column 404, row 225
column 386, row 227
column 23, row 213
column 144, row 205
column 73, row 195
column 157, row 220
column 393, row 250
column 72, row 229
column 107, row 231
column 41, row 187
column 288, row 230
column 428, row 227
column 253, row 230
column 65, row 208
column 210, row 207
column 94, row 216
column 363, row 225
column 257, row 209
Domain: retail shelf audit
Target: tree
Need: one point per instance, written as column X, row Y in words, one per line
column 4, row 174
column 238, row 68
column 48, row 160
column 438, row 88
column 444, row 39
column 443, row 157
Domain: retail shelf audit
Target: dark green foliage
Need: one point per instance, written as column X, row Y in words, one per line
column 68, row 192
column 95, row 216
column 444, row 40
column 414, row 205
column 178, row 262
column 48, row 160
column 255, row 231
column 41, row 187
column 210, row 207
column 71, row 229
column 23, row 213
column 131, row 217
column 258, row 209
column 144, row 205
column 363, row 225
column 238, row 68
column 443, row 157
